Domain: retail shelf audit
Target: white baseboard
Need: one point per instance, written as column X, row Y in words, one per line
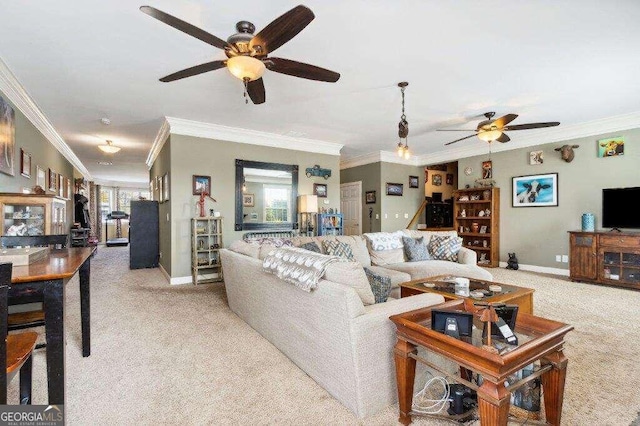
column 541, row 269
column 184, row 280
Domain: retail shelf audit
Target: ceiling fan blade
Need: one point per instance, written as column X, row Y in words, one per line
column 503, row 138
column 502, row 121
column 281, row 30
column 299, row 69
column 461, row 139
column 532, row 125
column 186, row 27
column 198, row 69
column 455, row 130
column 255, row 89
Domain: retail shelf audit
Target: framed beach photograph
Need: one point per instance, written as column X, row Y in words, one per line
column 25, row 163
column 413, row 182
column 395, row 189
column 370, row 197
column 535, row 190
column 320, row 189
column 201, row 184
column 248, row 200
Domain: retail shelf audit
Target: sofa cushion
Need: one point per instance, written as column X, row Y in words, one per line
column 415, row 249
column 430, row 268
column 416, row 233
column 387, row 257
column 445, row 248
column 383, row 241
column 396, row 277
column 300, row 267
column 338, row 248
column 351, row 274
column 380, row 285
column 311, row 246
column 245, row 248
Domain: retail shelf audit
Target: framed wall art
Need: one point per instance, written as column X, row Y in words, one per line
column 160, row 189
column 413, row 182
column 535, row 190
column 201, row 184
column 611, row 147
column 25, row 163
column 436, row 179
column 449, row 178
column 320, row 189
column 41, row 177
column 536, row 158
column 487, row 170
column 248, row 200
column 7, row 137
column 52, row 181
column 165, row 186
column 395, row 189
column 370, row 197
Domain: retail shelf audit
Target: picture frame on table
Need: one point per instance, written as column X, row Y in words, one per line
column 25, row 163
column 535, row 190
column 483, row 229
column 201, row 184
column 370, row 197
column 414, row 182
column 395, row 189
column 320, row 190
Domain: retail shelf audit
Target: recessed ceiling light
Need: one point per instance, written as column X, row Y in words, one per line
column 105, row 163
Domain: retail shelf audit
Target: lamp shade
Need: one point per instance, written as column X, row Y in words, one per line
column 245, row 67
column 490, row 135
column 308, row 203
column 109, row 148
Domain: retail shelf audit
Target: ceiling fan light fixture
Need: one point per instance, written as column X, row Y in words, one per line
column 109, row 147
column 245, row 68
column 489, row 135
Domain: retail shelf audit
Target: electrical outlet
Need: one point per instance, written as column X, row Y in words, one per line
column 377, row 216
column 406, row 215
column 565, row 258
column 558, row 258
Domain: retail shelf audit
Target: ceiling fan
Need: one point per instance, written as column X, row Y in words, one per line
column 247, row 54
column 491, row 130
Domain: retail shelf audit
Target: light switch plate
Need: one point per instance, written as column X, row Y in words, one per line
column 325, row 201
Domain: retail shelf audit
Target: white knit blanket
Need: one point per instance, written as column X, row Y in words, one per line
column 300, row 267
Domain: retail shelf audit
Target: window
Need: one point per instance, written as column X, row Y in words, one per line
column 107, row 204
column 108, row 201
column 276, row 204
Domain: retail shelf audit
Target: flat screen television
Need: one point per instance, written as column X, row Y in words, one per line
column 617, row 208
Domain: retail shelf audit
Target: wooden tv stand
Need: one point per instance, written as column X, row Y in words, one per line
column 605, row 257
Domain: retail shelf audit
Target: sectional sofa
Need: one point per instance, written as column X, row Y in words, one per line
column 343, row 343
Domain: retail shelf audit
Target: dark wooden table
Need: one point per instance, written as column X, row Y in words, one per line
column 45, row 280
column 545, row 340
column 511, row 294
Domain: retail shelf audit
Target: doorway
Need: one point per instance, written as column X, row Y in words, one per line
column 351, row 207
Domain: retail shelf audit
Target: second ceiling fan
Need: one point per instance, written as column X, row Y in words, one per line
column 247, row 54
column 491, row 130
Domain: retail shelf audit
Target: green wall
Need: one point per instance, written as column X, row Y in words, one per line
column 538, row 234
column 200, row 156
column 162, row 165
column 369, row 175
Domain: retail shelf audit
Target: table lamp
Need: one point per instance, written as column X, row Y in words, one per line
column 308, row 207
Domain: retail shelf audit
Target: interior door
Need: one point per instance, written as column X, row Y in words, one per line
column 351, row 207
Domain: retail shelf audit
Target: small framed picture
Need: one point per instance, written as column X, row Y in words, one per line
column 52, row 180
column 395, row 189
column 483, row 229
column 320, row 189
column 165, row 186
column 535, row 190
column 41, row 177
column 151, row 198
column 25, row 163
column 449, row 178
column 487, row 170
column 160, row 189
column 535, row 158
column 60, row 186
column 201, row 184
column 611, row 147
column 436, row 179
column 248, row 200
column 413, row 182
column 370, row 197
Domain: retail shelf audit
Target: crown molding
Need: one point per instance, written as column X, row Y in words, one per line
column 17, row 94
column 144, row 186
column 158, row 143
column 560, row 133
column 180, row 126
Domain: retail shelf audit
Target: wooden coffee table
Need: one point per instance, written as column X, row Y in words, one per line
column 443, row 285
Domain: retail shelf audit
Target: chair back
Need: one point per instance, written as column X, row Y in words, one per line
column 58, row 240
column 5, row 282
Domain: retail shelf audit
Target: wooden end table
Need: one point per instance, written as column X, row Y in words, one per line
column 541, row 340
column 443, row 285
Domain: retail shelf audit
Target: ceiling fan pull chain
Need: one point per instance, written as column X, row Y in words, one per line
column 246, row 82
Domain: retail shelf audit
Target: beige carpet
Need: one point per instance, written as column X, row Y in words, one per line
column 177, row 355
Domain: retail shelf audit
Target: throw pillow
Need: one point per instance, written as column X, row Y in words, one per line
column 380, row 285
column 337, row 248
column 311, row 247
column 445, row 248
column 415, row 249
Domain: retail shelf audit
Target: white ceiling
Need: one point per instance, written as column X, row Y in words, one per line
column 569, row 61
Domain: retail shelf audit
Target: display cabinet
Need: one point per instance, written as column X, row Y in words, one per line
column 206, row 242
column 476, row 216
column 33, row 214
column 330, row 224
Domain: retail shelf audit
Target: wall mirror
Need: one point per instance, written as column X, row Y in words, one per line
column 266, row 195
